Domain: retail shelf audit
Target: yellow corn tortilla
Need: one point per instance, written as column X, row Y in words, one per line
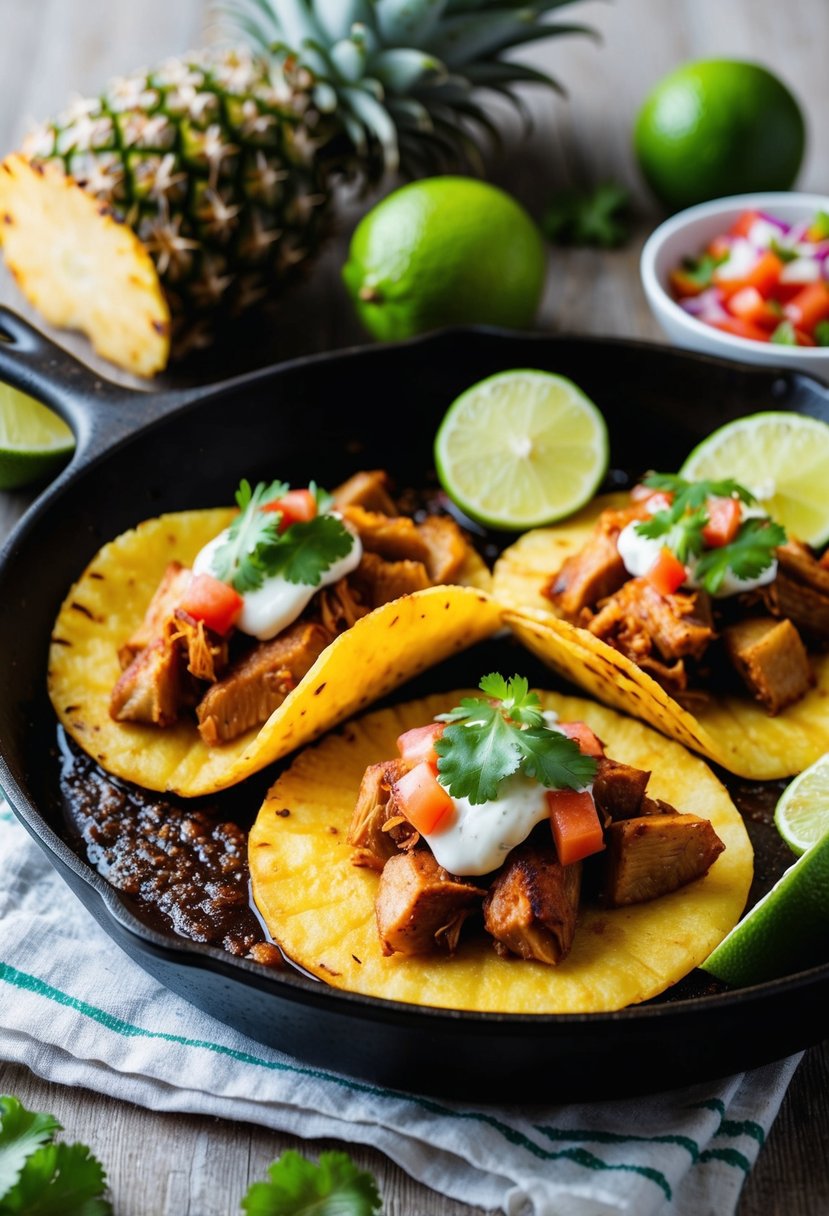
column 733, row 731
column 106, row 605
column 320, row 907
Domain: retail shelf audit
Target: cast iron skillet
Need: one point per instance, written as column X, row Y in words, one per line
column 324, row 417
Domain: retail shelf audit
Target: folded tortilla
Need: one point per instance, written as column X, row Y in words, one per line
column 319, row 907
column 734, row 731
column 103, row 609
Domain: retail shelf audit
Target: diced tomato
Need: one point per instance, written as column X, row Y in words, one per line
column 667, row 573
column 744, row 224
column 750, row 306
column 804, row 339
column 720, row 247
column 809, row 307
column 297, row 506
column 742, row 329
column 588, row 741
column 418, row 744
column 423, row 800
column 574, row 820
column 212, row 601
column 684, row 284
column 723, row 522
column 655, row 500
column 764, row 275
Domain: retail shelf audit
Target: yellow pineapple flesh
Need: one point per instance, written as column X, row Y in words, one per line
column 80, row 267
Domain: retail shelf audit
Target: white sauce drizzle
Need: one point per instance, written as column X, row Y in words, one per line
column 277, row 603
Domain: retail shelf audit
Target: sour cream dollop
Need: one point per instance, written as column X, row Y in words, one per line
column 277, row 603
column 481, row 835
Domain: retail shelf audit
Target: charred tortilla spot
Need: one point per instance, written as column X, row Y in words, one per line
column 71, row 709
column 96, row 574
column 357, row 960
column 329, row 970
column 283, row 813
column 60, row 641
column 83, row 608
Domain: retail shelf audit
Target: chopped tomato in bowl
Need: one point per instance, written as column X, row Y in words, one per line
column 746, row 278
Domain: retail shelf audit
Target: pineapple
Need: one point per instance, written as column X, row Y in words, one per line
column 190, row 191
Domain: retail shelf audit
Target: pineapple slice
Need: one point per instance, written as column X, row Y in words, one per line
column 80, row 267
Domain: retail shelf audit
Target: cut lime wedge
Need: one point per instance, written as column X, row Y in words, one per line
column 788, row 929
column 34, row 442
column 782, row 458
column 802, row 813
column 520, row 449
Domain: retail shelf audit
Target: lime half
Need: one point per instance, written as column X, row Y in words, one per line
column 782, row 458
column 786, row 930
column 520, row 449
column 802, row 814
column 34, row 442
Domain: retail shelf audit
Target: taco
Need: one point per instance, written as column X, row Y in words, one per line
column 201, row 646
column 684, row 604
column 357, row 894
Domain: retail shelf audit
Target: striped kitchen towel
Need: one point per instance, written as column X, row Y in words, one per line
column 77, row 1011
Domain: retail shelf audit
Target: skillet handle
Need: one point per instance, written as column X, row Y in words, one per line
column 98, row 411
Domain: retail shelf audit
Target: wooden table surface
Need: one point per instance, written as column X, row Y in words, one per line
column 168, row 1165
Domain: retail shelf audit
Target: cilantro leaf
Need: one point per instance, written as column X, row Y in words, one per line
column 546, row 757
column 517, row 701
column 41, row 1178
column 784, row 252
column 21, row 1132
column 588, row 217
column 487, row 740
column 297, row 1187
column 238, row 561
column 700, row 271
column 476, row 755
column 680, row 526
column 255, row 548
column 819, row 227
column 822, row 333
column 749, row 554
column 306, row 550
column 683, row 536
column 784, row 335
column 691, row 494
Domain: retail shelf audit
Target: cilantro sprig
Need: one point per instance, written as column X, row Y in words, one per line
column 489, row 738
column 700, row 271
column 589, row 217
column 297, row 1187
column 749, row 554
column 39, row 1175
column 680, row 528
column 256, row 549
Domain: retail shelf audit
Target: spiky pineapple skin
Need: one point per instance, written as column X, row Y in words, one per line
column 210, row 159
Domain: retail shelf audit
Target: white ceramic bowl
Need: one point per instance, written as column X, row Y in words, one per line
column 686, row 235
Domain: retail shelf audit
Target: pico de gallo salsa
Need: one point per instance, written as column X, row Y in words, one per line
column 763, row 279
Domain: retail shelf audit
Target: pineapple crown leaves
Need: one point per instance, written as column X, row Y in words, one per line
column 400, row 73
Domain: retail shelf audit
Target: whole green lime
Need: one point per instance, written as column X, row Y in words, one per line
column 718, row 127
column 445, row 251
